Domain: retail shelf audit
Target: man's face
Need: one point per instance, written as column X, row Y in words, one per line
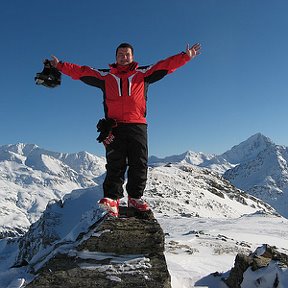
column 124, row 56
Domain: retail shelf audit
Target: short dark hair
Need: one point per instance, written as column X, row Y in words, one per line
column 125, row 45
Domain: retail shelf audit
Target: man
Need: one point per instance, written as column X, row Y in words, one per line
column 124, row 86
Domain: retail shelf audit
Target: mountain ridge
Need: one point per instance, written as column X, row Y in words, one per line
column 30, row 177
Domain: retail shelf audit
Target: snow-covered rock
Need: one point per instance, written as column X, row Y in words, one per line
column 190, row 191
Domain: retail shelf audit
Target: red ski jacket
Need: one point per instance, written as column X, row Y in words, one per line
column 124, row 87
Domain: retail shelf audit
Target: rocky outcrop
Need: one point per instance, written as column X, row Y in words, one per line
column 264, row 265
column 118, row 252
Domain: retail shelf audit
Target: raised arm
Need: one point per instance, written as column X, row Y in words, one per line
column 157, row 71
column 73, row 70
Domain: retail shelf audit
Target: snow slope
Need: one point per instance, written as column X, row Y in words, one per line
column 264, row 174
column 195, row 246
column 191, row 191
column 30, row 177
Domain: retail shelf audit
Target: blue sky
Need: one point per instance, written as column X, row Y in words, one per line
column 237, row 87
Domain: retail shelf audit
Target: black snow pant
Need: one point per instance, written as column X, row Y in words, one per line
column 128, row 150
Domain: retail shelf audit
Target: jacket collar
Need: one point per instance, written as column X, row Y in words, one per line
column 123, row 69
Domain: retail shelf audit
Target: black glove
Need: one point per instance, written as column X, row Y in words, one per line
column 105, row 127
column 49, row 77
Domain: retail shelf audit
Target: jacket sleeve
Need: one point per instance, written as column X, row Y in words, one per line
column 77, row 72
column 157, row 71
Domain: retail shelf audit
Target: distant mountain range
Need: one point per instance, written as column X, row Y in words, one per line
column 192, row 183
column 30, row 177
column 245, row 151
column 257, row 165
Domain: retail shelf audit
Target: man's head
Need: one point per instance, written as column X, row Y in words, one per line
column 124, row 54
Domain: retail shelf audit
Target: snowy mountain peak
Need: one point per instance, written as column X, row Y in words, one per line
column 19, row 148
column 243, row 152
column 41, row 159
column 16, row 152
column 264, row 174
column 190, row 157
column 248, row 149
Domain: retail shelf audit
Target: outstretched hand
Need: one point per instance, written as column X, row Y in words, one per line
column 194, row 50
column 54, row 61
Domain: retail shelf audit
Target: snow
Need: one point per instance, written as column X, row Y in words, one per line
column 17, row 283
column 124, row 263
column 34, row 176
column 206, row 220
column 195, row 246
column 265, row 277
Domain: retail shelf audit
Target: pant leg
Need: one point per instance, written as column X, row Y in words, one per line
column 116, row 157
column 137, row 160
